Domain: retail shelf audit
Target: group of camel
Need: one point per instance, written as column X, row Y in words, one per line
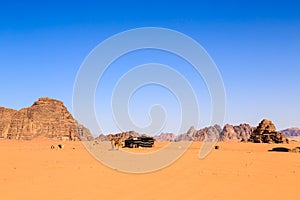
column 117, row 143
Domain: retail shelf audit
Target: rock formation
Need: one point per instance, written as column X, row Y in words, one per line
column 102, row 138
column 46, row 117
column 266, row 132
column 291, row 132
column 236, row 133
column 165, row 137
column 188, row 136
column 119, row 136
column 295, row 150
column 206, row 133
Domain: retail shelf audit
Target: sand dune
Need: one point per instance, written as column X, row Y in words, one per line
column 31, row 170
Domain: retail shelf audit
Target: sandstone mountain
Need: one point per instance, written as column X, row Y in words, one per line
column 168, row 137
column 236, row 133
column 266, row 132
column 244, row 132
column 102, row 138
column 228, row 133
column 119, row 136
column 291, row 132
column 200, row 135
column 46, row 117
column 191, row 135
column 188, row 136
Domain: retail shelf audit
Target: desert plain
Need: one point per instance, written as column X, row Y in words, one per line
column 32, row 170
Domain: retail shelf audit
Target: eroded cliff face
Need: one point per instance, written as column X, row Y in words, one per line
column 241, row 132
column 5, row 120
column 46, row 117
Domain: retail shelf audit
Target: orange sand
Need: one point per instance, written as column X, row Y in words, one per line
column 31, row 170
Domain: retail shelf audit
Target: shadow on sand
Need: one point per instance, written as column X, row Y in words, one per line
column 280, row 149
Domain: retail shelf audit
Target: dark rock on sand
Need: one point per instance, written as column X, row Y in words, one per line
column 266, row 132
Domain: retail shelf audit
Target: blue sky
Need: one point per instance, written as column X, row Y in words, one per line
column 256, row 46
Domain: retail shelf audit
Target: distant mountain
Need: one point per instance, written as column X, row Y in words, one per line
column 200, row 135
column 236, row 133
column 191, row 135
column 228, row 133
column 46, row 117
column 165, row 137
column 264, row 132
column 102, row 138
column 291, row 132
column 119, row 136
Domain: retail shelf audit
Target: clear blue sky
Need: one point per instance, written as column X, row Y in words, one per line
column 255, row 44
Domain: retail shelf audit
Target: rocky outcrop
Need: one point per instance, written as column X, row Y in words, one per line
column 228, row 133
column 291, row 132
column 102, row 138
column 236, row 133
column 266, row 132
column 191, row 135
column 122, row 136
column 206, row 133
column 295, row 150
column 46, row 117
column 188, row 136
column 165, row 137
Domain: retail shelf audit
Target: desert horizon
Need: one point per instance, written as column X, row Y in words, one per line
column 43, row 105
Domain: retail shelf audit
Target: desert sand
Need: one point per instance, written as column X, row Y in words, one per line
column 32, row 170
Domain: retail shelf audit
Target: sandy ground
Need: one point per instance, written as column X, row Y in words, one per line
column 31, row 170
